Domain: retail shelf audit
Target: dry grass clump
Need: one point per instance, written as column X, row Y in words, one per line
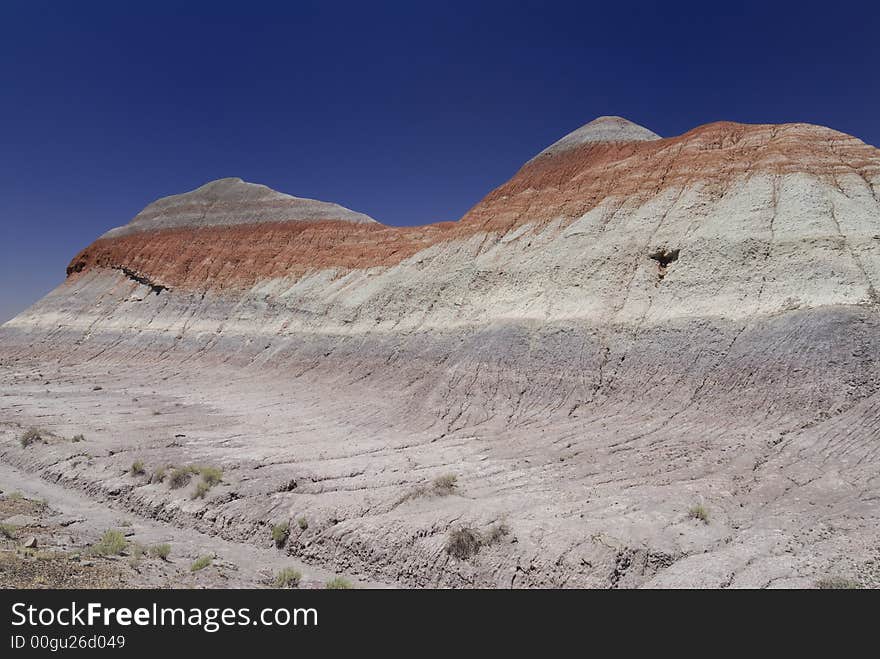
column 280, row 533
column 288, row 578
column 159, row 475
column 137, row 468
column 180, row 477
column 496, row 533
column 161, row 551
column 112, row 543
column 837, row 583
column 136, row 552
column 441, row 486
column 444, row 485
column 463, row 543
column 699, row 512
column 211, row 476
column 338, row 583
column 201, row 563
column 31, row 436
column 201, row 490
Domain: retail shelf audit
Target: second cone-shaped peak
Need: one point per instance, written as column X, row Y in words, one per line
column 602, row 129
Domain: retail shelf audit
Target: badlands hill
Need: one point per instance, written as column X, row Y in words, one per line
column 631, row 332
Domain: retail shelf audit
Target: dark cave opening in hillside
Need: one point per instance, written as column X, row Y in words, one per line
column 664, row 257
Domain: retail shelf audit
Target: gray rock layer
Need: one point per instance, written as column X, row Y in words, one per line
column 231, row 201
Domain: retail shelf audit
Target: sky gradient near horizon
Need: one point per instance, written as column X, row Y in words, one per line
column 409, row 112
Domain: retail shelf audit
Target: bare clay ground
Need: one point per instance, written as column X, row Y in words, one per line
column 359, row 493
column 68, row 525
column 67, row 519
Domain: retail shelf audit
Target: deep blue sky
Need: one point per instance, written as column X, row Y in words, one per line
column 409, row 112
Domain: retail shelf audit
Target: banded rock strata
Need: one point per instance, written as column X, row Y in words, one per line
column 631, row 325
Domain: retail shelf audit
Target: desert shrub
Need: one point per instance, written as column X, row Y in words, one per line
column 201, row 490
column 78, row 438
column 137, row 468
column 496, row 532
column 462, row 543
column 288, row 578
column 8, row 531
column 161, row 551
column 441, row 486
column 280, row 533
column 699, row 512
column 211, row 475
column 112, row 543
column 303, row 523
column 201, row 563
column 179, row 477
column 30, row 436
column 338, row 583
column 159, row 475
column 445, row 484
column 837, row 583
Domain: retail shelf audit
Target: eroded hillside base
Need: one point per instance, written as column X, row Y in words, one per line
column 592, row 447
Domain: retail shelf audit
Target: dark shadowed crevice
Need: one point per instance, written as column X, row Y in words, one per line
column 76, row 266
column 664, row 257
column 141, row 279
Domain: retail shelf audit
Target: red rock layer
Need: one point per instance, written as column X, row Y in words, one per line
column 569, row 184
column 239, row 256
column 564, row 185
